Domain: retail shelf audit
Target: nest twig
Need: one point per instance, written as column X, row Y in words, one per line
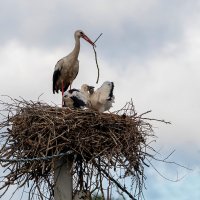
column 95, row 53
column 110, row 146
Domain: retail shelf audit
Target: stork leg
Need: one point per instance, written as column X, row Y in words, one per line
column 62, row 92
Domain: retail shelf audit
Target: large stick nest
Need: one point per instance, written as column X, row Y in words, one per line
column 110, row 146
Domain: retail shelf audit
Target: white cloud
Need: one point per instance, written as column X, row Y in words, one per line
column 168, row 82
column 150, row 49
column 136, row 25
column 24, row 71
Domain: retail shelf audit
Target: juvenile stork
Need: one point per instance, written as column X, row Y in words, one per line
column 77, row 99
column 67, row 68
column 74, row 99
column 101, row 99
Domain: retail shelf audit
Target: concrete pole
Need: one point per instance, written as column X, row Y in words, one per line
column 63, row 180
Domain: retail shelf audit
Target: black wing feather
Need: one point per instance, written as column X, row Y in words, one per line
column 111, row 91
column 56, row 76
column 78, row 103
column 73, row 90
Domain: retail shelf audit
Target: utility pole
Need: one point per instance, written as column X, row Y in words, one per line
column 63, row 179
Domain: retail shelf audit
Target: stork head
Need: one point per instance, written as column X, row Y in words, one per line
column 84, row 88
column 81, row 34
column 67, row 101
column 87, row 88
column 91, row 89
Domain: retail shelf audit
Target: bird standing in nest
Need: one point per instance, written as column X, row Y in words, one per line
column 67, row 68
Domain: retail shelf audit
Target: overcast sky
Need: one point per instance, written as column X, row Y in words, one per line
column 149, row 48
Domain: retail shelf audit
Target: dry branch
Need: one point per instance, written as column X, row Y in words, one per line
column 95, row 53
column 34, row 134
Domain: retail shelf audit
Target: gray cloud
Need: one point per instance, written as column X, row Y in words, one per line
column 149, row 48
column 131, row 28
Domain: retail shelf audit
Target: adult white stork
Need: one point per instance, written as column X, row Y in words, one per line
column 101, row 99
column 67, row 68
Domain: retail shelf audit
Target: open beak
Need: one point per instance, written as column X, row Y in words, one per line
column 91, row 89
column 88, row 40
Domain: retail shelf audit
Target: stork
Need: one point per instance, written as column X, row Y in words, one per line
column 101, row 99
column 67, row 68
column 77, row 98
column 74, row 99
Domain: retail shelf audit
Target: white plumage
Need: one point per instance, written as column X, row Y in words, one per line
column 67, row 68
column 77, row 98
column 74, row 99
column 101, row 99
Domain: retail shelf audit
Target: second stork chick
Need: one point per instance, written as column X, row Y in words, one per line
column 101, row 99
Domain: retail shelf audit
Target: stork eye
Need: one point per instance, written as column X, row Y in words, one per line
column 81, row 33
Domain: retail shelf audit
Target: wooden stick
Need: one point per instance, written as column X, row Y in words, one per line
column 98, row 37
column 96, row 64
column 95, row 53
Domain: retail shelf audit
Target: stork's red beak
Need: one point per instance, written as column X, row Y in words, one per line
column 88, row 40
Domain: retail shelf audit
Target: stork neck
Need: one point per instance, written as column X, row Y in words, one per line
column 77, row 47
